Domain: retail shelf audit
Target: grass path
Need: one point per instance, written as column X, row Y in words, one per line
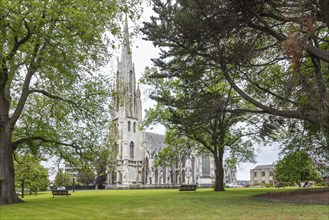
column 160, row 204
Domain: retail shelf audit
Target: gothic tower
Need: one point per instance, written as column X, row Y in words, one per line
column 126, row 116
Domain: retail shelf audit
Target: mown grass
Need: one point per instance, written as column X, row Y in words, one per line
column 160, row 204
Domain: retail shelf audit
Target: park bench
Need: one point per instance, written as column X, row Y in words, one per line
column 280, row 185
column 63, row 192
column 187, row 187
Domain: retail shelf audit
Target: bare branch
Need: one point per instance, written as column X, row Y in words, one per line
column 43, row 92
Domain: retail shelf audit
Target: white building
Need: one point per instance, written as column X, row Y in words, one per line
column 262, row 174
column 136, row 150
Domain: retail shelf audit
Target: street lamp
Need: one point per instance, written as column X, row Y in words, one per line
column 73, row 184
column 23, row 187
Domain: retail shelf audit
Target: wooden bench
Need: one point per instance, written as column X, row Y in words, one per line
column 63, row 192
column 187, row 187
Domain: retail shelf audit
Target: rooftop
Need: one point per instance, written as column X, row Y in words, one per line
column 268, row 166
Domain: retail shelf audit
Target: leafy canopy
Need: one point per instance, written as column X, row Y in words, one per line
column 36, row 177
column 52, row 95
column 274, row 54
column 63, row 179
column 296, row 167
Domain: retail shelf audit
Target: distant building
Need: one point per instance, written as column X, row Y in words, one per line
column 262, row 174
column 70, row 169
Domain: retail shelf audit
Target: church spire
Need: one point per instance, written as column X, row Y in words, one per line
column 125, row 52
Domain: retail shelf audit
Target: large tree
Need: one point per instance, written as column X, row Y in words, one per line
column 205, row 111
column 86, row 176
column 50, row 97
column 273, row 53
column 295, row 168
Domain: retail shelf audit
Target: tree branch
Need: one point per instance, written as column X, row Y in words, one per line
column 33, row 67
column 43, row 92
column 16, row 143
column 267, row 109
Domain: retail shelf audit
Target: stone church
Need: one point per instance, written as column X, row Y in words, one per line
column 136, row 150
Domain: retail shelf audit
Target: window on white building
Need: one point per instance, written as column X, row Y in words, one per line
column 131, row 147
column 205, row 166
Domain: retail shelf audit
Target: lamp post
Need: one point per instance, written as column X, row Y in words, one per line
column 23, row 187
column 73, row 184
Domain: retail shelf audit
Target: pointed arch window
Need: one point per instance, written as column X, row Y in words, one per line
column 131, row 148
column 156, row 176
column 129, row 125
column 205, row 165
column 183, row 176
column 164, row 175
column 130, row 81
column 183, row 161
column 134, row 127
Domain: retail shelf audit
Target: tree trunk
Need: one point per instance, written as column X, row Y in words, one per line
column 219, row 171
column 7, row 172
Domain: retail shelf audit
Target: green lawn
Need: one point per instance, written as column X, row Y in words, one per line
column 160, row 204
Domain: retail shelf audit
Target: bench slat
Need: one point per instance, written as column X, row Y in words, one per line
column 187, row 187
column 60, row 193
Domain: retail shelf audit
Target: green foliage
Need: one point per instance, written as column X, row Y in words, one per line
column 35, row 176
column 200, row 114
column 296, row 167
column 101, row 162
column 277, row 64
column 86, row 176
column 63, row 179
column 53, row 94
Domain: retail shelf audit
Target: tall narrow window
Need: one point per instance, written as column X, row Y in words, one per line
column 156, row 176
column 183, row 161
column 205, row 165
column 129, row 125
column 130, row 81
column 164, row 175
column 134, row 127
column 116, row 98
column 172, row 176
column 131, row 105
column 146, row 169
column 131, row 147
column 193, row 161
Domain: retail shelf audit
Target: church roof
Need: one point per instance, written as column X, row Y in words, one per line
column 153, row 141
